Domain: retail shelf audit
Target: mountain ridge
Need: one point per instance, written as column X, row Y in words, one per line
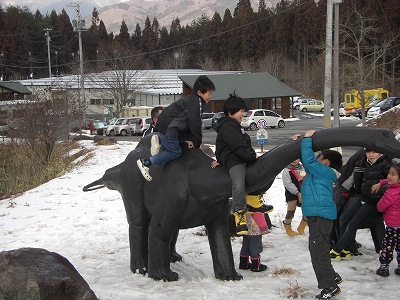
column 113, row 12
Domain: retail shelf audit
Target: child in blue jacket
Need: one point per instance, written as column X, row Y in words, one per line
column 319, row 208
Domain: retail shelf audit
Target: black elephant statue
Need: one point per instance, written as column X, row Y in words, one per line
column 187, row 192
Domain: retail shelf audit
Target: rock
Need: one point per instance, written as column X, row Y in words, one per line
column 101, row 140
column 82, row 137
column 34, row 273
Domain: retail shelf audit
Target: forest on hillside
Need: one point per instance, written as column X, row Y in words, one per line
column 287, row 40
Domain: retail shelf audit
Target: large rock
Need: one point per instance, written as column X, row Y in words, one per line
column 32, row 273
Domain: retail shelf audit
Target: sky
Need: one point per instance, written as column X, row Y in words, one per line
column 91, row 231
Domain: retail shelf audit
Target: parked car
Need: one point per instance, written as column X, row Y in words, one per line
column 252, row 116
column 215, row 119
column 123, row 128
column 314, row 105
column 358, row 111
column 342, row 111
column 140, row 126
column 301, row 101
column 206, row 120
column 114, row 123
column 383, row 106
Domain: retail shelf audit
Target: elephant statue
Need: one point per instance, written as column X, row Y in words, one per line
column 187, row 192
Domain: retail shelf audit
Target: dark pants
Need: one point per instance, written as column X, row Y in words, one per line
column 252, row 246
column 390, row 243
column 356, row 216
column 318, row 244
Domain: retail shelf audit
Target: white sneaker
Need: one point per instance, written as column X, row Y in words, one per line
column 155, row 145
column 144, row 170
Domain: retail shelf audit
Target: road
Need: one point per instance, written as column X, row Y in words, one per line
column 278, row 136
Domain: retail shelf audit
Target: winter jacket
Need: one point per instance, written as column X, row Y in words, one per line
column 290, row 181
column 390, row 204
column 183, row 117
column 373, row 173
column 233, row 145
column 316, row 189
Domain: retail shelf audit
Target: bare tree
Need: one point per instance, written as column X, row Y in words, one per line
column 365, row 52
column 122, row 81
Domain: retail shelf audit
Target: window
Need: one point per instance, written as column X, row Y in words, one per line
column 108, row 102
column 95, row 101
column 258, row 113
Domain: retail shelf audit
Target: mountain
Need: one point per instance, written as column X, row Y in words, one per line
column 112, row 12
column 136, row 11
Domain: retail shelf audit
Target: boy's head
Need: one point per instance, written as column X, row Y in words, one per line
column 233, row 104
column 331, row 159
column 155, row 112
column 203, row 88
column 372, row 156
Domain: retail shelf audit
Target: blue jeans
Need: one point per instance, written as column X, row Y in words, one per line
column 171, row 151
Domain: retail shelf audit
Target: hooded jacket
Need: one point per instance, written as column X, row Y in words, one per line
column 182, row 118
column 317, row 187
column 390, row 204
column 233, row 145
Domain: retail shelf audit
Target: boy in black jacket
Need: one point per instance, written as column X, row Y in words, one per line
column 234, row 152
column 179, row 122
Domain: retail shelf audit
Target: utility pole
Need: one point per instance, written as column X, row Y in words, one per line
column 79, row 25
column 328, row 60
column 48, row 48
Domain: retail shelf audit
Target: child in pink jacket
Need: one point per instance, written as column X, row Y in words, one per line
column 390, row 206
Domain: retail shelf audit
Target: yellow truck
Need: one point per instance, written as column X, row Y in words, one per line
column 353, row 99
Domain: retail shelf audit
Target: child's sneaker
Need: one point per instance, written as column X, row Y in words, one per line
column 240, row 222
column 328, row 293
column 383, row 270
column 144, row 169
column 397, row 271
column 155, row 145
column 338, row 278
column 345, row 254
column 335, row 255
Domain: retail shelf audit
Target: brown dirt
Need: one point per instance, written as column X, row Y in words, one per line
column 390, row 120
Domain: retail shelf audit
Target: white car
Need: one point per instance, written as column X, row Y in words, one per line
column 301, row 101
column 206, row 120
column 112, row 127
column 315, row 105
column 374, row 110
column 253, row 116
column 123, row 128
column 342, row 111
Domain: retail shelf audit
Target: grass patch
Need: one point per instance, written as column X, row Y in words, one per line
column 21, row 170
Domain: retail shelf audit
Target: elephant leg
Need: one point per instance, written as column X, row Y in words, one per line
column 175, row 256
column 221, row 249
column 159, row 252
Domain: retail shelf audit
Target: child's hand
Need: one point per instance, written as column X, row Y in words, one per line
column 376, row 187
column 295, row 137
column 309, row 133
column 214, row 164
column 190, row 144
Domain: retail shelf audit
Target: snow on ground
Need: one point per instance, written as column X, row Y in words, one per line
column 91, row 231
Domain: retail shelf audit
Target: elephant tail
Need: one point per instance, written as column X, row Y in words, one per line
column 98, row 184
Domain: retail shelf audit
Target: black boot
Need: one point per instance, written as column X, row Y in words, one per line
column 257, row 266
column 244, row 263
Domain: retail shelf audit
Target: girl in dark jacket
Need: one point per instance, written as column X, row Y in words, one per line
column 376, row 167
